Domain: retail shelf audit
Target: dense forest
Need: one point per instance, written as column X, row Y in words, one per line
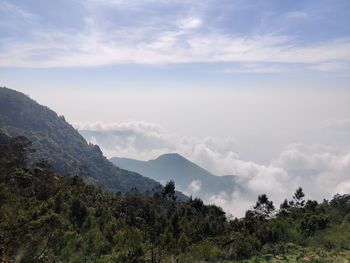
column 48, row 218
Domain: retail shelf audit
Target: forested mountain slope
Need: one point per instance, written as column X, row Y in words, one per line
column 48, row 218
column 56, row 141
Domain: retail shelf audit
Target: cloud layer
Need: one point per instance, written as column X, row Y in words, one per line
column 321, row 173
column 161, row 37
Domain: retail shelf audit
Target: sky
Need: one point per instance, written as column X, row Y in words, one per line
column 252, row 88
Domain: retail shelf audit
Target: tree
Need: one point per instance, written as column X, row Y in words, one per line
column 183, row 242
column 264, row 208
column 169, row 190
column 310, row 224
column 284, row 207
column 175, row 224
column 197, row 203
column 14, row 150
column 78, row 212
column 298, row 199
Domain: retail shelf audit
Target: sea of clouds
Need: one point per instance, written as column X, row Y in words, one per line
column 321, row 171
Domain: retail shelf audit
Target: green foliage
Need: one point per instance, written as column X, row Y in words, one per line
column 298, row 197
column 206, row 251
column 264, row 208
column 297, row 254
column 48, row 218
column 169, row 190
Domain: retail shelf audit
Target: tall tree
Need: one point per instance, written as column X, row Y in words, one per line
column 169, row 190
column 264, row 208
column 298, row 198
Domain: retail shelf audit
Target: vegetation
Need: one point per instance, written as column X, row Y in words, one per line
column 48, row 218
column 62, row 146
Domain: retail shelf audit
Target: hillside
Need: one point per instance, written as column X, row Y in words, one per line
column 49, row 218
column 175, row 167
column 56, row 141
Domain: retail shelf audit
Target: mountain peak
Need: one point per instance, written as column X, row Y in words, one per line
column 170, row 156
column 173, row 166
column 174, row 160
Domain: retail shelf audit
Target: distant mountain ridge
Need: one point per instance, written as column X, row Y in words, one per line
column 60, row 144
column 188, row 176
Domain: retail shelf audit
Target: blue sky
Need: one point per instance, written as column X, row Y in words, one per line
column 255, row 88
column 164, row 43
column 157, row 48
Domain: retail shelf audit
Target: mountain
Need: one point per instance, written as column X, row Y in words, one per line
column 188, row 176
column 49, row 218
column 56, row 141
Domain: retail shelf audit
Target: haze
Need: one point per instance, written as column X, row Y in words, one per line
column 247, row 88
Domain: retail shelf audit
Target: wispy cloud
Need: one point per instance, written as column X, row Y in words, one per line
column 332, row 66
column 194, row 186
column 135, row 139
column 8, row 8
column 297, row 15
column 189, row 23
column 258, row 68
column 94, row 48
column 188, row 39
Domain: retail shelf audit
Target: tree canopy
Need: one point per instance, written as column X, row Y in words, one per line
column 48, row 218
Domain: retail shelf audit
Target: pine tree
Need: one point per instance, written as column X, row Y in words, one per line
column 264, row 208
column 298, row 199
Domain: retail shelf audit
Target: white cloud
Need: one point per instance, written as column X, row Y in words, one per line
column 9, row 9
column 194, row 186
column 189, row 23
column 87, row 49
column 127, row 4
column 220, row 199
column 160, row 40
column 314, row 167
column 234, row 204
column 135, row 126
column 321, row 175
column 257, row 68
column 133, row 139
